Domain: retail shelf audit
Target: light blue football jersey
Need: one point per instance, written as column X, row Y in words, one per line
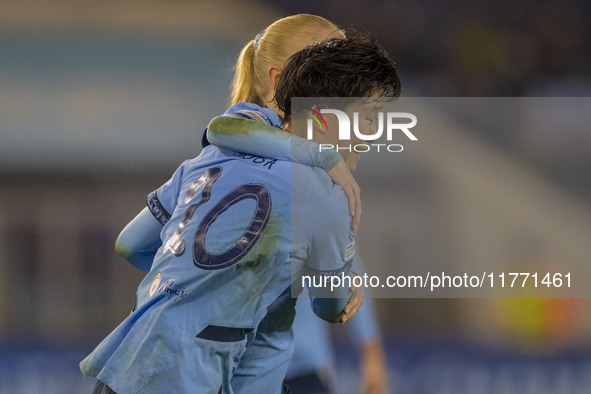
column 312, row 337
column 234, row 227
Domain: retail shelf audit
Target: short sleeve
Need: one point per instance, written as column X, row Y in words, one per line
column 330, row 256
column 332, row 246
column 162, row 201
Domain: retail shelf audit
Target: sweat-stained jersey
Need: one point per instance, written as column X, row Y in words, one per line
column 234, row 225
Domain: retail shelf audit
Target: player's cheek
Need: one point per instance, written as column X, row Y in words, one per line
column 368, row 128
column 373, row 127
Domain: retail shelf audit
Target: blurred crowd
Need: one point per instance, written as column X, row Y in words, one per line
column 482, row 48
column 489, row 48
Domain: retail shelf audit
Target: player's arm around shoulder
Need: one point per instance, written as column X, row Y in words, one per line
column 259, row 135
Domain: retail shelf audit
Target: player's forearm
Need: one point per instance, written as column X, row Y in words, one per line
column 141, row 260
column 260, row 139
column 372, row 349
column 374, row 367
column 139, row 241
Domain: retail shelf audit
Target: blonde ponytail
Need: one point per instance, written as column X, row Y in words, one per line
column 275, row 44
column 244, row 83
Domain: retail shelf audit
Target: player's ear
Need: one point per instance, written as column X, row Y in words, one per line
column 274, row 72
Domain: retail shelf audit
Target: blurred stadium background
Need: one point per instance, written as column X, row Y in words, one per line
column 100, row 101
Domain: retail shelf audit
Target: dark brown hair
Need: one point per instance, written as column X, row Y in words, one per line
column 355, row 66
